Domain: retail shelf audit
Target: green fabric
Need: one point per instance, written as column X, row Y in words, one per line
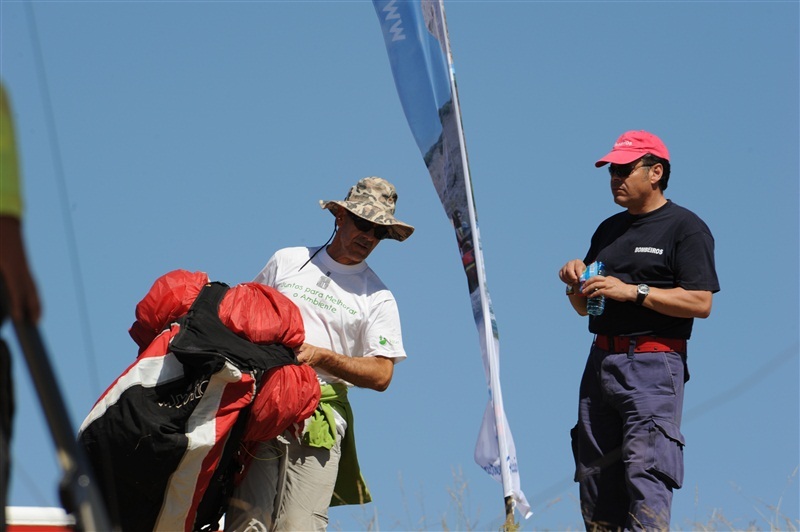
column 321, row 432
column 10, row 191
column 321, row 428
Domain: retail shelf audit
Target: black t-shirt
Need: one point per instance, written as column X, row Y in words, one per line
column 665, row 248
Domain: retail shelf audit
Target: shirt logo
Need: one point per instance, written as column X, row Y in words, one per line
column 383, row 341
column 654, row 251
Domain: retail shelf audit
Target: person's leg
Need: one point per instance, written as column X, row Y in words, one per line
column 6, row 418
column 596, row 444
column 251, row 508
column 310, row 479
column 651, row 400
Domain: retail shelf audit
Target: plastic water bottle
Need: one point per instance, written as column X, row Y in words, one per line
column 594, row 305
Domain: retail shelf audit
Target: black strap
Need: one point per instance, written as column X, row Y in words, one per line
column 204, row 339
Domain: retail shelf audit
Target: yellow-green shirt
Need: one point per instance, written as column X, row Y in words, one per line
column 10, row 190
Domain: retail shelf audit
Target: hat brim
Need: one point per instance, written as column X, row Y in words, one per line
column 621, row 157
column 397, row 230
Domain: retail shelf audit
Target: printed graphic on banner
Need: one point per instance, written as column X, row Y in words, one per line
column 414, row 33
column 416, row 39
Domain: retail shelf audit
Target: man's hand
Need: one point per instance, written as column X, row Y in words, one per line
column 306, row 354
column 570, row 273
column 21, row 289
column 610, row 287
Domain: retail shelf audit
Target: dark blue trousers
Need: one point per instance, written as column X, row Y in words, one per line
column 627, row 444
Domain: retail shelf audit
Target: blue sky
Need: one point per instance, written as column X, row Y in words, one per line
column 200, row 135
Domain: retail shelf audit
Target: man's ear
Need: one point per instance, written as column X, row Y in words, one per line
column 338, row 214
column 656, row 173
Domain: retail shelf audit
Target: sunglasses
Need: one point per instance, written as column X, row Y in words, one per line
column 624, row 170
column 365, row 226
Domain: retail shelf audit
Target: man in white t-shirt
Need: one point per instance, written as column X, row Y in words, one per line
column 353, row 338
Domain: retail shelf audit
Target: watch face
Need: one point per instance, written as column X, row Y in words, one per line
column 641, row 292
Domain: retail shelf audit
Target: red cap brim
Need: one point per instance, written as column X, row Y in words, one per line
column 620, row 157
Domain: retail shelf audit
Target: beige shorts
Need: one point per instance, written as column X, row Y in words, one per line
column 288, row 487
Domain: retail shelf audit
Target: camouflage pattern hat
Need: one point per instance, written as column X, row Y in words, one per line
column 373, row 199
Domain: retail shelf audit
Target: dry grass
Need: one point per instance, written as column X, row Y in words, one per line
column 460, row 516
column 771, row 517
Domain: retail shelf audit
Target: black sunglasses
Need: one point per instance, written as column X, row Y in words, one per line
column 365, row 226
column 624, row 170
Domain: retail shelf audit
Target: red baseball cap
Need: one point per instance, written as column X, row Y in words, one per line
column 633, row 145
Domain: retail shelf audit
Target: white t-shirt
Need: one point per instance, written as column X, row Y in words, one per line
column 345, row 308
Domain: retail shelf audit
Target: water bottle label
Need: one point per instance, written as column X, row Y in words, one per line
column 595, row 268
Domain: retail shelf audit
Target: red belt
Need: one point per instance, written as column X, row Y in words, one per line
column 644, row 344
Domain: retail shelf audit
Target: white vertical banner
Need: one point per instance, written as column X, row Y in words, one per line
column 415, row 32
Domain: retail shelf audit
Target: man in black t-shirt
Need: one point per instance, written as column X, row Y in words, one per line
column 659, row 276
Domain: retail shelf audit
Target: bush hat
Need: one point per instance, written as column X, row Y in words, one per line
column 373, row 199
column 633, row 145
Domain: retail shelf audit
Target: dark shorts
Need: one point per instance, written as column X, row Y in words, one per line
column 627, row 444
column 6, row 415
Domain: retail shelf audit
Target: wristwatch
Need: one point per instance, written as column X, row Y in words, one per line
column 641, row 292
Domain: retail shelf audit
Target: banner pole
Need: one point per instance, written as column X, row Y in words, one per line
column 497, row 399
column 417, row 41
column 510, row 525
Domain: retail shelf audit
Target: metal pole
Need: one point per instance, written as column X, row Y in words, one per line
column 78, row 490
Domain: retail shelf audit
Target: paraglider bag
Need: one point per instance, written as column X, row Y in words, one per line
column 157, row 437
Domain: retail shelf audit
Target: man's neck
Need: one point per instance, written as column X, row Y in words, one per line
column 336, row 254
column 653, row 203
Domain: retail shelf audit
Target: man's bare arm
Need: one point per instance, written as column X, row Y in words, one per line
column 366, row 372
